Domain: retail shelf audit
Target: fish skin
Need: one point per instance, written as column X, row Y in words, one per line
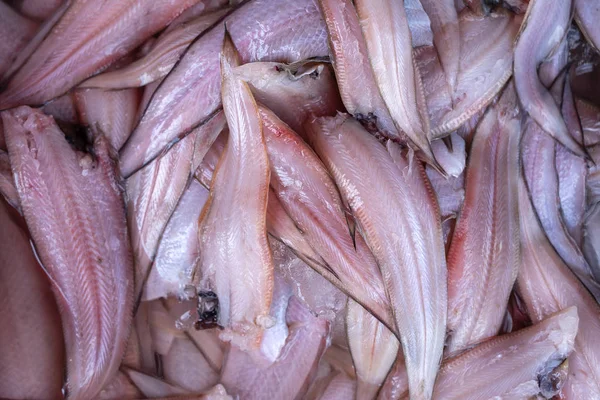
column 483, row 258
column 339, row 387
column 152, row 387
column 15, row 30
column 544, row 27
column 38, row 9
column 121, row 387
column 486, row 60
column 218, row 392
column 161, row 58
column 69, row 53
column 154, row 192
column 90, row 263
column 176, row 108
column 395, row 386
column 571, row 191
column 111, row 113
column 235, row 260
column 571, row 171
column 546, row 285
column 373, row 347
column 321, row 296
column 587, row 14
column 591, row 227
column 419, row 23
column 279, row 223
column 385, row 29
column 446, row 36
column 591, row 237
column 450, row 154
column 185, row 366
column 537, row 350
column 42, row 32
column 7, row 182
column 309, row 196
column 178, row 248
column 291, row 374
column 450, row 192
column 356, row 80
column 293, row 91
column 31, row 341
column 542, row 180
column 385, row 219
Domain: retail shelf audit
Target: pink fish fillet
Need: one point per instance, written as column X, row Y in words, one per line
column 70, row 53
column 402, row 226
column 73, row 206
column 235, row 260
column 190, row 93
column 483, row 259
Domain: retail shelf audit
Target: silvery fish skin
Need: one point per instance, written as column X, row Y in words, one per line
column 486, row 59
column 181, row 103
column 111, row 113
column 542, row 179
column 291, row 374
column 355, row 78
column 483, row 259
column 373, row 347
column 385, row 29
column 538, row 351
column 309, row 195
column 406, row 243
column 293, row 91
column 586, row 15
column 16, row 30
column 238, row 267
column 154, row 192
column 419, row 23
column 164, row 54
column 31, row 341
column 90, row 261
column 547, row 285
column 544, row 26
column 446, row 36
column 69, row 53
column 591, row 227
column 171, row 271
column 572, row 170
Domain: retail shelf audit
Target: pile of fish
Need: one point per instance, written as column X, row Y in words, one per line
column 300, row 199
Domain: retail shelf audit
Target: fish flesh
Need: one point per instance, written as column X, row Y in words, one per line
column 385, row 29
column 238, row 268
column 69, row 53
column 180, row 104
column 544, row 27
column 406, row 243
column 89, row 263
column 538, row 351
column 483, row 259
column 547, row 285
column 308, row 194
